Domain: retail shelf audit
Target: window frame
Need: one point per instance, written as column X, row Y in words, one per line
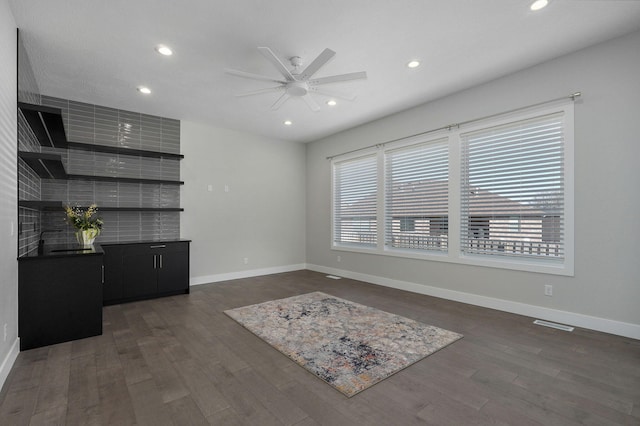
column 431, row 140
column 454, row 253
column 353, row 246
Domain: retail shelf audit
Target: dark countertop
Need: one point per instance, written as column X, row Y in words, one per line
column 63, row 250
column 69, row 250
column 115, row 243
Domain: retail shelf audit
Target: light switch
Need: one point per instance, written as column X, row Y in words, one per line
column 210, row 188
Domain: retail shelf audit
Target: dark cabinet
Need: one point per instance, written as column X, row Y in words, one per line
column 173, row 270
column 142, row 271
column 112, row 289
column 59, row 299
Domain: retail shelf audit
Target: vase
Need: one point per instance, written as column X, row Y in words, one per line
column 86, row 237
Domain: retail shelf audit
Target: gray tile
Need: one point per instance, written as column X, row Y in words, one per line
column 108, row 126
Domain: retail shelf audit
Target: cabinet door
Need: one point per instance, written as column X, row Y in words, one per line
column 59, row 299
column 139, row 276
column 112, row 289
column 173, row 269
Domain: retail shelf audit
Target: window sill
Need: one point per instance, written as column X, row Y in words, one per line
column 541, row 266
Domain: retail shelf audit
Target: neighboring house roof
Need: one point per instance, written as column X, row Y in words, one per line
column 405, row 199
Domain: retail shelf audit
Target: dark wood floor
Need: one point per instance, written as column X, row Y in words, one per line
column 182, row 361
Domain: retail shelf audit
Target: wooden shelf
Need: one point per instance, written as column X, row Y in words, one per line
column 124, row 179
column 49, row 166
column 140, row 209
column 46, row 123
column 51, row 206
column 40, row 205
column 123, row 151
column 48, row 127
column 45, row 165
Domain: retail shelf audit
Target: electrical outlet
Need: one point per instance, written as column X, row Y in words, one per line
column 339, row 258
column 5, row 333
column 548, row 290
column 246, row 260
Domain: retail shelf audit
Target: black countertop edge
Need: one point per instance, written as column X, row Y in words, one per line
column 69, row 250
column 63, row 250
column 116, row 243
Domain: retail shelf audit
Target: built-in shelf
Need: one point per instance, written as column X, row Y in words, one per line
column 46, row 123
column 48, row 127
column 59, row 206
column 141, row 209
column 123, row 151
column 40, row 205
column 49, row 166
column 45, row 165
column 124, row 179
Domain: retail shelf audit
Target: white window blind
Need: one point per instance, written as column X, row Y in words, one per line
column 355, row 202
column 416, row 196
column 512, row 189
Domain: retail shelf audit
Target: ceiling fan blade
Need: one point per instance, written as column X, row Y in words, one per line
column 271, row 57
column 281, row 100
column 333, row 94
column 317, row 63
column 252, row 76
column 338, row 78
column 311, row 103
column 261, row 91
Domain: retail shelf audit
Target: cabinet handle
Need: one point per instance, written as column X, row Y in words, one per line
column 158, row 246
column 160, row 261
column 103, row 274
column 154, row 261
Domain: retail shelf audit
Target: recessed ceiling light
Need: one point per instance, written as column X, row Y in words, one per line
column 413, row 64
column 332, row 103
column 538, row 4
column 164, row 50
column 143, row 89
column 288, row 122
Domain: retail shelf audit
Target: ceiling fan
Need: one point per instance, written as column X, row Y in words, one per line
column 296, row 83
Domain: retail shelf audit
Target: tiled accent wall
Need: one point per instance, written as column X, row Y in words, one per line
column 98, row 125
column 28, row 181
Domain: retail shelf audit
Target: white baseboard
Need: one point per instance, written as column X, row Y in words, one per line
column 7, row 362
column 245, row 274
column 570, row 318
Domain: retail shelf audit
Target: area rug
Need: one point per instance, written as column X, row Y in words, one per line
column 348, row 345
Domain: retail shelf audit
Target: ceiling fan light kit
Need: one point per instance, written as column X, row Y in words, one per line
column 299, row 84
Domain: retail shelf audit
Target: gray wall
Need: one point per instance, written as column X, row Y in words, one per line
column 8, row 192
column 261, row 217
column 607, row 229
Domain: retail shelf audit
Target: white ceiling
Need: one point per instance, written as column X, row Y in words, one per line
column 99, row 51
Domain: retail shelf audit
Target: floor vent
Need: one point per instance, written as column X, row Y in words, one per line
column 553, row 325
column 334, row 277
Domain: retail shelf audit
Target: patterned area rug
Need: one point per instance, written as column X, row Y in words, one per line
column 348, row 345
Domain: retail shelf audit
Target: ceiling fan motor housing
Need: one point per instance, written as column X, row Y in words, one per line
column 297, row 88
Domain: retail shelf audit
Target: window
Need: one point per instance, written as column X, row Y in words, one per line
column 496, row 192
column 416, row 196
column 512, row 189
column 407, row 224
column 355, row 202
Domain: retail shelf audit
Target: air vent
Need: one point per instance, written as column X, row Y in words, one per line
column 553, row 325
